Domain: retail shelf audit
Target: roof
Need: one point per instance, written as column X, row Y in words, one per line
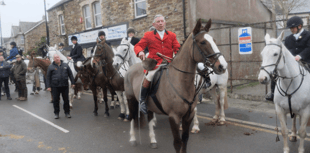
column 14, row 30
column 23, row 27
column 59, row 4
column 38, row 23
column 268, row 4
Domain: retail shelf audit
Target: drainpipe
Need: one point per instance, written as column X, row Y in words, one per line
column 184, row 19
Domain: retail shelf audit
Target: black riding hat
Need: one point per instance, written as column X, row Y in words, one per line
column 100, row 33
column 13, row 43
column 73, row 38
column 61, row 44
column 294, row 22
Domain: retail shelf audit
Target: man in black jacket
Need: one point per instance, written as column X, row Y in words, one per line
column 77, row 52
column 19, row 71
column 4, row 76
column 57, row 82
column 131, row 36
column 298, row 43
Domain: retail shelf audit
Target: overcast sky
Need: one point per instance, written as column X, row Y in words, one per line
column 22, row 10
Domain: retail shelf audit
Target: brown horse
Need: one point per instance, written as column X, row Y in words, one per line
column 176, row 92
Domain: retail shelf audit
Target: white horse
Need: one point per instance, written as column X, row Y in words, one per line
column 219, row 98
column 293, row 83
column 51, row 52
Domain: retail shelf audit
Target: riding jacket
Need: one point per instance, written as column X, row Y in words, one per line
column 301, row 46
column 166, row 46
column 77, row 53
column 57, row 76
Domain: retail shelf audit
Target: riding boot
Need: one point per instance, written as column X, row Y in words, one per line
column 208, row 81
column 143, row 96
column 270, row 95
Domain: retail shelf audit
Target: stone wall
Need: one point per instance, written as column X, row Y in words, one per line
column 34, row 36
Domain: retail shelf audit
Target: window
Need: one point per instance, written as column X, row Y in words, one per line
column 62, row 24
column 87, row 17
column 97, row 14
column 140, row 8
column 22, row 39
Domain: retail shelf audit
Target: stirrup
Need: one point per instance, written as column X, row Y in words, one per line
column 143, row 107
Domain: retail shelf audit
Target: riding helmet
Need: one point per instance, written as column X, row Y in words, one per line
column 131, row 30
column 100, row 33
column 73, row 38
column 13, row 43
column 294, row 22
column 61, row 44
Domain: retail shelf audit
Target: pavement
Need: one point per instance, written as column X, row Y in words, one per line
column 248, row 129
column 252, row 91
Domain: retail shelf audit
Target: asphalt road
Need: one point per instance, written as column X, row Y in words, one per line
column 21, row 132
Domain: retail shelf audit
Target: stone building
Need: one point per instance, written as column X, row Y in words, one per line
column 34, row 35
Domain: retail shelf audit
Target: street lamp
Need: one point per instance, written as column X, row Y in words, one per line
column 3, row 4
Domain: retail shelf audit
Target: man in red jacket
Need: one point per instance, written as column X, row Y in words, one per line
column 160, row 40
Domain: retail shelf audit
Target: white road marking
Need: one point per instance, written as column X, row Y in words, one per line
column 44, row 120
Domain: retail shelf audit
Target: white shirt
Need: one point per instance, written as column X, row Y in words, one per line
column 161, row 34
column 73, row 46
column 129, row 39
column 298, row 34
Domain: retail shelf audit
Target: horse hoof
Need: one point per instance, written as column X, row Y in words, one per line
column 106, row 115
column 133, row 143
column 154, row 145
column 293, row 138
column 79, row 98
column 195, row 131
column 222, row 122
column 95, row 113
column 111, row 107
column 180, row 128
column 116, row 106
column 121, row 116
column 126, row 118
column 71, row 107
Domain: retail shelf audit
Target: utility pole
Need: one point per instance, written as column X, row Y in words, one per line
column 47, row 32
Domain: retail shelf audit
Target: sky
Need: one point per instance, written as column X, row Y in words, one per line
column 22, row 10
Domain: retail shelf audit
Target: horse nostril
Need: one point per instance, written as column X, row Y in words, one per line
column 221, row 67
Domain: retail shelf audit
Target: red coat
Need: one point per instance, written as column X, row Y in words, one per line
column 151, row 39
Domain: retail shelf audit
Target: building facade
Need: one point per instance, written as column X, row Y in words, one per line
column 34, row 35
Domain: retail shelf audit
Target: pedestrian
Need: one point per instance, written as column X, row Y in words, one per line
column 19, row 71
column 4, row 76
column 101, row 37
column 298, row 43
column 77, row 52
column 57, row 82
column 3, row 53
column 131, row 36
column 13, row 52
column 169, row 45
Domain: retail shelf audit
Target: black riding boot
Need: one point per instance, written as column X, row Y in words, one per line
column 143, row 95
column 270, row 95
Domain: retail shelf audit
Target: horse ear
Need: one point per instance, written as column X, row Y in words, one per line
column 280, row 38
column 267, row 38
column 197, row 27
column 208, row 25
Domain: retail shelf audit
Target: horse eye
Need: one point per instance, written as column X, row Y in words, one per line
column 203, row 43
column 124, row 49
column 275, row 54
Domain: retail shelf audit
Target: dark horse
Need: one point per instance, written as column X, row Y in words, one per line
column 176, row 92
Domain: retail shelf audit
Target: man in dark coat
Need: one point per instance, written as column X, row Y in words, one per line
column 77, row 51
column 101, row 37
column 13, row 52
column 19, row 70
column 3, row 53
column 57, row 82
column 4, row 76
column 298, row 43
column 131, row 36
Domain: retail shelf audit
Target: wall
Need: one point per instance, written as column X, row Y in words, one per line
column 34, row 36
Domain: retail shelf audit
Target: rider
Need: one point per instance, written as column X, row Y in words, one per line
column 61, row 47
column 160, row 40
column 77, row 52
column 131, row 36
column 101, row 37
column 298, row 43
column 13, row 52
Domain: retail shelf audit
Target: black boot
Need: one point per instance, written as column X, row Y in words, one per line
column 56, row 116
column 143, row 96
column 270, row 95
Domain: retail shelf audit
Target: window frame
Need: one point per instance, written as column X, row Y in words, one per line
column 98, row 14
column 85, row 18
column 135, row 3
column 62, row 25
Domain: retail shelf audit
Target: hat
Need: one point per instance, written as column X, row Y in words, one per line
column 100, row 33
column 131, row 30
column 73, row 38
column 13, row 43
column 18, row 56
column 61, row 44
column 294, row 21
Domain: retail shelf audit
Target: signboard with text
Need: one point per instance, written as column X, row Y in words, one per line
column 245, row 40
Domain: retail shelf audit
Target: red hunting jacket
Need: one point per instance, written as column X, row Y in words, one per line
column 151, row 39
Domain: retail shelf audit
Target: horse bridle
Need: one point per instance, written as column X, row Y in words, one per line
column 120, row 56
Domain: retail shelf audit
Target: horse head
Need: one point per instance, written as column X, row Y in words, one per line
column 273, row 58
column 205, row 50
column 103, row 54
column 122, row 54
column 32, row 64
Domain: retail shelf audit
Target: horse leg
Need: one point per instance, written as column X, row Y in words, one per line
column 195, row 128
column 71, row 94
column 154, row 120
column 133, row 140
column 217, row 107
column 186, row 122
column 292, row 136
column 153, row 144
column 105, row 94
column 302, row 133
column 174, row 125
column 284, row 130
column 121, row 116
column 221, row 101
column 94, row 90
column 117, row 102
column 112, row 105
column 126, row 107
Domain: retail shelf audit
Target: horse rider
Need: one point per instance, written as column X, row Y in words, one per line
column 101, row 37
column 61, row 47
column 4, row 76
column 160, row 40
column 131, row 36
column 19, row 70
column 298, row 43
column 77, row 52
column 57, row 82
column 13, row 52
